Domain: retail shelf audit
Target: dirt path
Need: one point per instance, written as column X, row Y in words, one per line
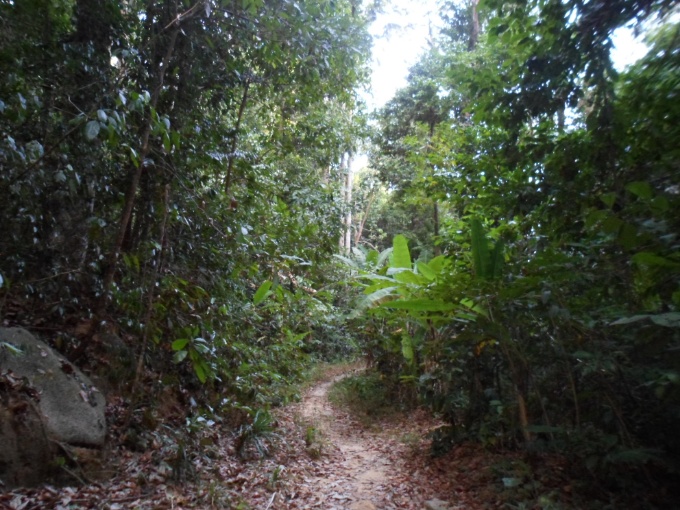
column 320, row 458
column 359, row 468
column 359, row 478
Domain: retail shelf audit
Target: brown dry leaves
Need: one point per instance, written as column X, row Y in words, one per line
column 322, row 459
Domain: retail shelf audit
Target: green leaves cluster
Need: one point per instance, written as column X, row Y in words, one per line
column 553, row 319
column 161, row 159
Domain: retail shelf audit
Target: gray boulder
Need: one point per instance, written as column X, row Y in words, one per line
column 71, row 408
column 26, row 454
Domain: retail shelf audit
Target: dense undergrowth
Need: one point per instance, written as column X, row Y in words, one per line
column 172, row 183
column 532, row 300
column 158, row 165
column 536, row 477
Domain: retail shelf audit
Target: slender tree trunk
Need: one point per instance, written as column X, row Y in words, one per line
column 561, row 120
column 435, row 206
column 347, row 243
column 517, row 377
column 137, row 172
column 346, row 238
column 474, row 30
column 234, row 140
column 148, row 315
column 360, row 230
column 130, row 195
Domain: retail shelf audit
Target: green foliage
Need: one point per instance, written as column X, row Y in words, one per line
column 256, row 434
column 262, row 292
column 487, row 264
column 160, row 162
column 551, row 323
column 370, row 396
column 12, row 349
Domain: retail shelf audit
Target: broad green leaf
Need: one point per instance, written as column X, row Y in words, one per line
column 297, row 338
column 384, row 255
column 201, row 347
column 497, row 259
column 199, row 368
column 471, row 305
column 426, row 270
column 609, row 199
column 388, row 282
column 628, row 237
column 409, row 277
column 179, row 344
column 380, row 278
column 611, row 225
column 646, row 258
column 376, row 296
column 668, row 320
column 179, row 356
column 660, row 204
column 92, row 129
column 131, row 261
column 400, row 256
column 135, row 157
column 175, row 137
column 372, row 299
column 438, row 263
column 420, row 305
column 640, row 189
column 262, row 292
column 14, row 350
column 372, row 257
column 348, row 261
column 359, row 254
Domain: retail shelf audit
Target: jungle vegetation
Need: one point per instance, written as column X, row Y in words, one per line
column 175, row 173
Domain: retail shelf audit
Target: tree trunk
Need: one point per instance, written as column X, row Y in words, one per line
column 360, row 229
column 437, row 249
column 474, row 21
column 130, row 195
column 234, row 140
column 346, row 240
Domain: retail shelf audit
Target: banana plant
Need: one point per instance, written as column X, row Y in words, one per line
column 403, row 284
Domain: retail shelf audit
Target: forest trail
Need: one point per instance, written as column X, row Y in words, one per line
column 363, row 472
column 363, row 467
column 320, row 457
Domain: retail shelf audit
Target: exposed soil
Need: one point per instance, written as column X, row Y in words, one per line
column 363, row 468
column 321, row 458
column 360, row 474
